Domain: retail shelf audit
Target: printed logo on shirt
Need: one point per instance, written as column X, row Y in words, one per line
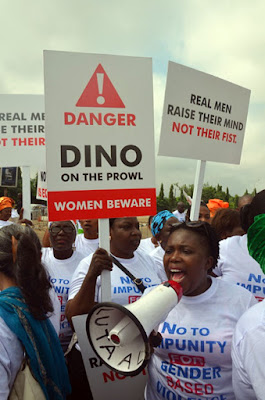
column 127, row 285
column 256, row 286
column 185, row 359
column 187, row 376
column 132, row 299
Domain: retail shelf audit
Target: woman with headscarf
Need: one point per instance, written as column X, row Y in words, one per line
column 160, row 228
column 6, row 205
column 24, row 326
column 248, row 351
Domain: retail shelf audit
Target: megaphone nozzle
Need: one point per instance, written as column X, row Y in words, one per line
column 115, row 339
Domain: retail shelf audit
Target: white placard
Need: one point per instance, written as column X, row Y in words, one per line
column 104, row 383
column 100, row 136
column 204, row 117
column 22, row 135
column 42, row 186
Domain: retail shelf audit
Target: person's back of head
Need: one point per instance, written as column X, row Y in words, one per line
column 226, row 223
column 249, row 211
column 243, row 200
column 20, row 260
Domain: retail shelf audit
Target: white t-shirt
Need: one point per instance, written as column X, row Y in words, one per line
column 4, row 223
column 237, row 266
column 55, row 317
column 147, row 245
column 86, row 246
column 180, row 216
column 60, row 273
column 123, row 290
column 11, row 356
column 194, row 358
column 248, row 354
column 158, row 257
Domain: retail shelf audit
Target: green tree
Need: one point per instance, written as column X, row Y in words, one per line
column 172, row 199
column 161, row 192
column 227, row 195
column 162, row 201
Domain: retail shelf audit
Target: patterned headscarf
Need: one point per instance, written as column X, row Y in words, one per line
column 6, row 202
column 159, row 220
column 256, row 240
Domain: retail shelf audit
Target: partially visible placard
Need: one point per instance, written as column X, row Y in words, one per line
column 105, row 383
column 22, row 133
column 9, row 176
column 41, row 186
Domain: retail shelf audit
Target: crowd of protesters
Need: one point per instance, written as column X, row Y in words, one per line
column 218, row 260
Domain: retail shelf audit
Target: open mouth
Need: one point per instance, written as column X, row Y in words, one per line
column 177, row 275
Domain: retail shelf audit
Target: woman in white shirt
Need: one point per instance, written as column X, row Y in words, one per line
column 193, row 360
column 85, row 288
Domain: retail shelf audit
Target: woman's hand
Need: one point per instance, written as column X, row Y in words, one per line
column 155, row 340
column 100, row 261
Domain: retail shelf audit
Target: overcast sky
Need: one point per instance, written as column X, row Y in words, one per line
column 222, row 38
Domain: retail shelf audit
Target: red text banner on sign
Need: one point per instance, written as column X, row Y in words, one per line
column 81, row 204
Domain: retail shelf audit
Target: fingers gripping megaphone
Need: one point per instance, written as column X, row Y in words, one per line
column 119, row 335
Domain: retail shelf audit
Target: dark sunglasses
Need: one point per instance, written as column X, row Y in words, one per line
column 66, row 229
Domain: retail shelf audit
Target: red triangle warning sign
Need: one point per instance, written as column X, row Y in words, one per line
column 100, row 92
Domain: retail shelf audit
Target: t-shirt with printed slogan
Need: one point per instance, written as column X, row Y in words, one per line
column 248, row 353
column 60, row 273
column 235, row 265
column 123, row 290
column 193, row 360
column 85, row 246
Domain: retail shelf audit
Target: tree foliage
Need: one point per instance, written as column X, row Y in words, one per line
column 208, row 192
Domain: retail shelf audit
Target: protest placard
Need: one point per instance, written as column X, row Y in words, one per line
column 99, row 136
column 22, row 133
column 204, row 117
column 41, row 193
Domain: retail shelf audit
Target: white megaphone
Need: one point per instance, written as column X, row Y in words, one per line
column 119, row 335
